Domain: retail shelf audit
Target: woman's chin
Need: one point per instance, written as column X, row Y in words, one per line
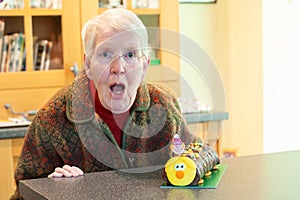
column 118, row 107
column 119, row 111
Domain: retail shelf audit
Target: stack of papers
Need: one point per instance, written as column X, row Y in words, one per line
column 192, row 105
column 13, row 122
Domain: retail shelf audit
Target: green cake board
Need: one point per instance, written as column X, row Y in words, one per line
column 210, row 182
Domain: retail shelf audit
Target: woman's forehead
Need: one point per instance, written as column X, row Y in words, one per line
column 119, row 40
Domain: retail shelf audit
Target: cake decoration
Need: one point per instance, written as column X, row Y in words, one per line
column 189, row 165
column 177, row 146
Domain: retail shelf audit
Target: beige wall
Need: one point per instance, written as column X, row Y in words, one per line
column 281, row 51
column 231, row 33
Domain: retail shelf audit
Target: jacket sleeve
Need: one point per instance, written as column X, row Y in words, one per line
column 38, row 157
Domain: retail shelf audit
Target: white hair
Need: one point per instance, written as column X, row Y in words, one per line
column 117, row 19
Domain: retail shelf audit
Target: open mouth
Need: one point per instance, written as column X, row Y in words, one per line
column 117, row 88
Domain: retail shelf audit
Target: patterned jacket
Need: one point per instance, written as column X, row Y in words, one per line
column 68, row 131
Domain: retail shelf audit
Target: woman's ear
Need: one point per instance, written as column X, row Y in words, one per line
column 87, row 67
column 146, row 63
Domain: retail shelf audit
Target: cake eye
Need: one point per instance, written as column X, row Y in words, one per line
column 179, row 167
column 182, row 166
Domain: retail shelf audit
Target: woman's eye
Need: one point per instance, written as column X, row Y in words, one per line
column 105, row 54
column 129, row 54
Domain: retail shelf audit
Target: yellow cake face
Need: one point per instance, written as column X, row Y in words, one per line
column 180, row 171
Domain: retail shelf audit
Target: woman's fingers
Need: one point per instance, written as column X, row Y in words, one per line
column 66, row 171
column 78, row 170
column 63, row 171
column 74, row 171
column 55, row 175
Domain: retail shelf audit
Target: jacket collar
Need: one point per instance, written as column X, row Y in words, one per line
column 79, row 106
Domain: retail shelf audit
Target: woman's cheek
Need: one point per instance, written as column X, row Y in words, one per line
column 135, row 75
column 100, row 76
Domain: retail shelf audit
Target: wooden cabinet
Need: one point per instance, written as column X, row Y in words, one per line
column 9, row 154
column 30, row 88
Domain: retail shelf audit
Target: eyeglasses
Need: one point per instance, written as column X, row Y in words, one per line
column 129, row 57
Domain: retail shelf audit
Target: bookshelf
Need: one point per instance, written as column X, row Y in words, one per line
column 30, row 89
column 37, row 24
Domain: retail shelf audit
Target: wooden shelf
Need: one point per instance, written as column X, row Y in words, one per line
column 32, row 79
column 32, row 12
column 138, row 11
column 146, row 11
column 15, row 12
column 45, row 12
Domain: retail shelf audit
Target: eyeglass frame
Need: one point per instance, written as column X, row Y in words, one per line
column 112, row 57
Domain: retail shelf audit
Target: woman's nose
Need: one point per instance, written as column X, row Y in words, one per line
column 117, row 66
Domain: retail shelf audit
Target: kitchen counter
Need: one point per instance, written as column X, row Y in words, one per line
column 266, row 176
column 13, row 132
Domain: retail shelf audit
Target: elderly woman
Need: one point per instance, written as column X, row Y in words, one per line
column 108, row 118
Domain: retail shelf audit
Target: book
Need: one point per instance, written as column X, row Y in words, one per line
column 48, row 55
column 40, row 54
column 35, row 49
column 5, row 5
column 10, row 53
column 6, row 39
column 16, row 51
column 11, row 4
column 19, row 52
column 24, row 59
column 2, row 25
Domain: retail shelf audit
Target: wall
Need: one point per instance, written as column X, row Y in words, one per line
column 231, row 33
column 281, row 36
column 192, row 30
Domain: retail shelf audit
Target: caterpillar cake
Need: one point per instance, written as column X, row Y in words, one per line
column 189, row 165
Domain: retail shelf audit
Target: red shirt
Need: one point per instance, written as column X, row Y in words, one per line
column 115, row 122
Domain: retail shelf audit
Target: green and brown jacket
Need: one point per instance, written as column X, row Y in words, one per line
column 68, row 131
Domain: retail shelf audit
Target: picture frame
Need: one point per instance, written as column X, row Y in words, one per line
column 197, row 1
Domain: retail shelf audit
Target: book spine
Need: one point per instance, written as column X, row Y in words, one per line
column 4, row 53
column 40, row 49
column 14, row 57
column 9, row 50
column 48, row 55
column 44, row 44
column 10, row 53
column 2, row 25
column 20, row 52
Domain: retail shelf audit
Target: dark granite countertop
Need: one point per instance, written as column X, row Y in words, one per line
column 13, row 132
column 266, row 176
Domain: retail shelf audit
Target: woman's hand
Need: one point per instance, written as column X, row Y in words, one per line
column 66, row 171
